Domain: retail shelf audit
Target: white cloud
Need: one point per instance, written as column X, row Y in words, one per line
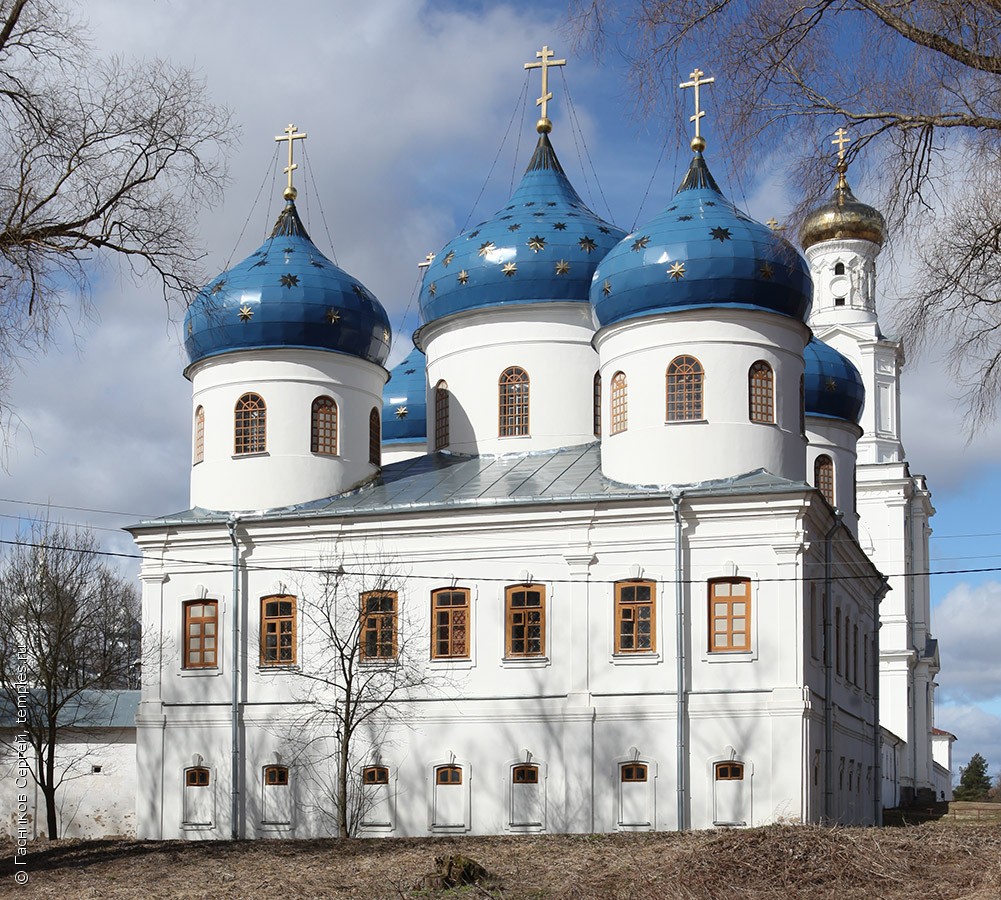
column 968, row 626
column 976, row 730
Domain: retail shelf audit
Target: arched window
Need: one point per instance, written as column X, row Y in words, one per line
column 597, row 404
column 441, row 400
column 761, row 392
column 250, row 425
column 839, row 268
column 374, row 437
column 375, row 775
column 619, row 403
column 197, row 777
column 278, row 618
column 448, row 775
column 513, row 402
column 323, row 436
column 525, row 774
column 276, row 775
column 199, row 435
column 823, row 477
column 729, row 771
column 633, row 772
column 684, row 390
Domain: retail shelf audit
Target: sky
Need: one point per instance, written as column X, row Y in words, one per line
column 417, row 124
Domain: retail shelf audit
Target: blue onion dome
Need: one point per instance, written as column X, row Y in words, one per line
column 543, row 246
column 286, row 294
column 832, row 385
column 701, row 252
column 404, row 401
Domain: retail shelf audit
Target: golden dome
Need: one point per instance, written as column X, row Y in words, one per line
column 844, row 217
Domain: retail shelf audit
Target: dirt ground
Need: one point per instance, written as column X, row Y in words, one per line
column 930, row 861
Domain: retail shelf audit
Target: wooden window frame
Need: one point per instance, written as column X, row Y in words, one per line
column 442, row 400
column 728, row 771
column 250, row 425
column 448, row 776
column 519, row 617
column 375, row 438
column 596, row 398
column 823, row 476
column 380, row 625
column 285, row 651
column 761, row 393
column 634, row 773
column 444, row 627
column 514, row 403
column 725, row 641
column 276, row 776
column 324, row 417
column 685, row 394
column 629, row 613
column 374, row 775
column 619, row 404
column 198, row 454
column 197, row 776
column 201, row 621
column 525, row 773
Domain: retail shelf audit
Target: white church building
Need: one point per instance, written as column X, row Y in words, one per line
column 633, row 526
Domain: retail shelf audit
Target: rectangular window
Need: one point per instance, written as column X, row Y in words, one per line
column 378, row 625
column 865, row 663
column 854, row 654
column 450, row 624
column 837, row 641
column 201, row 634
column 526, row 620
column 814, row 623
column 633, row 772
column 278, row 631
column 634, row 617
column 729, row 615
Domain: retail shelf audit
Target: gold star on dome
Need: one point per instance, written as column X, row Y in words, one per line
column 401, row 412
column 560, row 226
column 385, row 334
column 562, row 267
column 486, row 247
column 190, row 328
column 641, row 242
column 766, row 271
column 245, row 313
column 433, row 289
column 509, row 269
column 536, row 243
column 606, row 288
column 333, row 316
column 463, row 277
column 677, row 270
column 289, row 280
column 587, row 244
column 831, row 385
column 448, row 257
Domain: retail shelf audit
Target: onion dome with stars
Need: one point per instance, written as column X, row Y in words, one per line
column 286, row 294
column 843, row 217
column 404, row 401
column 542, row 246
column 701, row 252
column 832, row 385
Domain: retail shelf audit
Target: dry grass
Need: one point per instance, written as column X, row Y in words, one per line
column 931, row 861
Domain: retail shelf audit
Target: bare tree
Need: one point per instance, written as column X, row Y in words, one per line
column 917, row 84
column 366, row 661
column 100, row 158
column 69, row 626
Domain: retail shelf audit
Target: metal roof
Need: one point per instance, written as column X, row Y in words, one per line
column 442, row 480
column 88, row 709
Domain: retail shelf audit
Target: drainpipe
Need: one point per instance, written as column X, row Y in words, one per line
column 877, row 747
column 679, row 602
column 235, row 778
column 829, row 671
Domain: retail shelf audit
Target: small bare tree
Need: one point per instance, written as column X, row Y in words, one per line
column 69, row 626
column 100, row 158
column 366, row 661
column 917, row 83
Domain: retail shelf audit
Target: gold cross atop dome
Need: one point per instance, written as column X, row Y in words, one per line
column 291, row 134
column 698, row 142
column 544, row 126
column 842, row 140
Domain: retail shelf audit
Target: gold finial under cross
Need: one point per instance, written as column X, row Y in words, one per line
column 698, row 142
column 544, row 126
column 291, row 134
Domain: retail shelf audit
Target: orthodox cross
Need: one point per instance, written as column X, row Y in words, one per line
column 291, row 134
column 424, row 263
column 841, row 140
column 546, row 57
column 696, row 82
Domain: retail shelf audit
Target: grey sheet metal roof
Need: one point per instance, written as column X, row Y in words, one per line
column 444, row 481
column 88, row 709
